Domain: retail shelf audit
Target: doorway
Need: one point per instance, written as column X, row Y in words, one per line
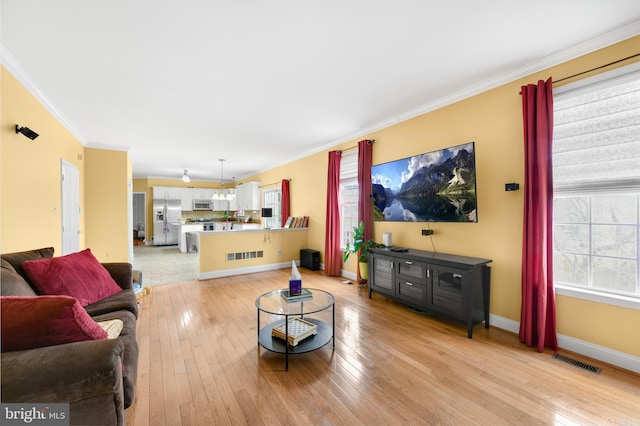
column 139, row 218
column 70, row 211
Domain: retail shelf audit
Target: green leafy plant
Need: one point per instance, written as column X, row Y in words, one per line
column 360, row 246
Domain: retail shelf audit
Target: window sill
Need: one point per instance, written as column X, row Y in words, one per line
column 595, row 296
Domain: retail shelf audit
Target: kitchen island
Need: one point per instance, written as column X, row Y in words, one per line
column 235, row 252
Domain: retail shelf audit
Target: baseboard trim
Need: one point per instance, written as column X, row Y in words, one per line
column 245, row 270
column 591, row 350
column 347, row 274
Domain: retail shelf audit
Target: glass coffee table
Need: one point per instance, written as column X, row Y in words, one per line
column 273, row 303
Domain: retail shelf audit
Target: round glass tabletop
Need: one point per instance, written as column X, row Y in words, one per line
column 273, row 302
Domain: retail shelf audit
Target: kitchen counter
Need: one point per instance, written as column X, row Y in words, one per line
column 244, row 251
column 231, row 231
column 219, row 227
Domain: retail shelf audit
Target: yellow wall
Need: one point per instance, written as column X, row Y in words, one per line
column 493, row 121
column 278, row 246
column 30, row 195
column 107, row 212
column 31, row 169
column 308, row 192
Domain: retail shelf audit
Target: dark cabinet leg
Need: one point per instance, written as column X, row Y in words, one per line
column 486, row 293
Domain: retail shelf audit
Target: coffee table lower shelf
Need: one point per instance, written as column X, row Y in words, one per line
column 274, row 344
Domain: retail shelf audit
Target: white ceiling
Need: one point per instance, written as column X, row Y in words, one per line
column 181, row 84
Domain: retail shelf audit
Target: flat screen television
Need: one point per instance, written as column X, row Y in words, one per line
column 438, row 186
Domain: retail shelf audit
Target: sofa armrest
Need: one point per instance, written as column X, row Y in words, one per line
column 122, row 273
column 63, row 373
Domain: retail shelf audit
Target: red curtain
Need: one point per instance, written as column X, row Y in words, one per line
column 365, row 151
column 538, row 314
column 332, row 254
column 284, row 205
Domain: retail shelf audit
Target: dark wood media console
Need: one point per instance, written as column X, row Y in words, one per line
column 455, row 287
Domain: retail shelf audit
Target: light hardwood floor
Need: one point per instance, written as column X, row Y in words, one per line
column 200, row 365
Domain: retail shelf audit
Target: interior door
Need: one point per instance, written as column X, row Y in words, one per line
column 70, row 211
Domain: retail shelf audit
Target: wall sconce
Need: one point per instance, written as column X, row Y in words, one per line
column 27, row 132
column 511, row 186
column 185, row 176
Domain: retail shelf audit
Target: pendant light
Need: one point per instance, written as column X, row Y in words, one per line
column 222, row 194
column 185, row 176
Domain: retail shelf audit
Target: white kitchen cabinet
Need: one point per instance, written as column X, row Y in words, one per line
column 186, row 201
column 233, row 203
column 202, row 193
column 167, row 193
column 174, row 193
column 239, row 197
column 248, row 196
column 159, row 192
column 220, row 205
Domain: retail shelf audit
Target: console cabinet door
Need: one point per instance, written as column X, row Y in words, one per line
column 445, row 291
column 412, row 270
column 381, row 274
column 412, row 293
column 411, row 279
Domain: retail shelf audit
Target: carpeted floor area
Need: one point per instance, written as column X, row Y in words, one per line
column 164, row 265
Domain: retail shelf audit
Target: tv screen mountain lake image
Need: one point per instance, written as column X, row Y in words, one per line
column 438, row 186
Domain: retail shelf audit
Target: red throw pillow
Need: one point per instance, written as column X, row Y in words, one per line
column 37, row 321
column 78, row 275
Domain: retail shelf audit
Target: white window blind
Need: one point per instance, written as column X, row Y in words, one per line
column 348, row 197
column 271, row 200
column 349, row 165
column 596, row 136
column 596, row 173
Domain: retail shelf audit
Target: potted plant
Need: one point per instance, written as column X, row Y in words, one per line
column 361, row 247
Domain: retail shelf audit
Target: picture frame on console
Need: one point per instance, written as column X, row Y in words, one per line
column 437, row 186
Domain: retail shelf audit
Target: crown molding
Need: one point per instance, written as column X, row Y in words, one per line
column 203, row 180
column 12, row 65
column 559, row 57
column 599, row 42
column 109, row 147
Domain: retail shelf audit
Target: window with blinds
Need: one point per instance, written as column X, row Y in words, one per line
column 596, row 174
column 348, row 197
column 271, row 200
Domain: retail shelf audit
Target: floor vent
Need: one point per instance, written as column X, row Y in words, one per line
column 576, row 363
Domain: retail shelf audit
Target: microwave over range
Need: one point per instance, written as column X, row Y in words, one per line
column 202, row 205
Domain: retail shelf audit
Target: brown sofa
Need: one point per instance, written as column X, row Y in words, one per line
column 96, row 377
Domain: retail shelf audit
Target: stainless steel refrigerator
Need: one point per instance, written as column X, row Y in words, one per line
column 165, row 222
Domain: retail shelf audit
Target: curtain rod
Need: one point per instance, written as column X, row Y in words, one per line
column 597, row 68
column 594, row 69
column 274, row 183
column 356, row 146
column 348, row 149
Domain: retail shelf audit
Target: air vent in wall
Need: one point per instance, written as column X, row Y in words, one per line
column 244, row 255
